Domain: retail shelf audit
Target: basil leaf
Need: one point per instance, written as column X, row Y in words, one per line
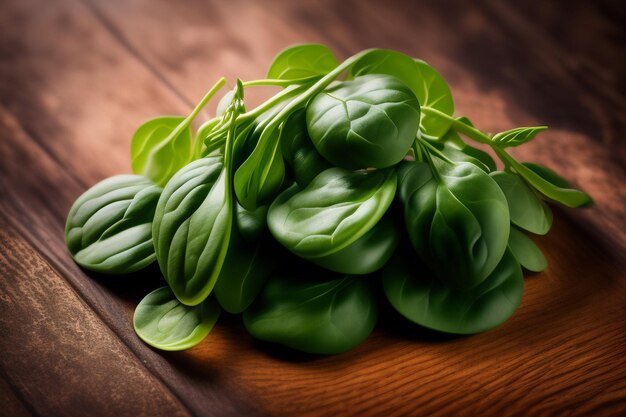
column 312, row 316
column 427, row 84
column 367, row 122
column 165, row 323
column 526, row 209
column 109, row 227
column 301, row 62
column 413, row 292
column 191, row 228
column 332, row 212
column 526, row 252
column 298, row 150
column 517, row 136
column 457, row 218
column 244, row 273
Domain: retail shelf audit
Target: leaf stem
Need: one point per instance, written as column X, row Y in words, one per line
column 279, row 82
column 459, row 126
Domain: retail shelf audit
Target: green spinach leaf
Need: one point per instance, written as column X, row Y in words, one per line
column 526, row 252
column 298, row 150
column 368, row 122
column 457, row 219
column 415, row 294
column 333, row 211
column 517, row 136
column 163, row 145
column 302, row 62
column 428, row 85
column 165, row 323
column 311, row 316
column 109, row 227
column 525, row 207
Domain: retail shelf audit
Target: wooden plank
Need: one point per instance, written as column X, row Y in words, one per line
column 58, row 354
column 10, row 403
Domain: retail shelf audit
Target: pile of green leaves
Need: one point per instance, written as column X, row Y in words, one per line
column 353, row 180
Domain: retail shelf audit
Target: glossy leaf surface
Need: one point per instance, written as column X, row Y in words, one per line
column 165, row 323
column 109, row 227
column 333, row 211
column 369, row 122
column 192, row 228
column 457, row 220
column 426, row 83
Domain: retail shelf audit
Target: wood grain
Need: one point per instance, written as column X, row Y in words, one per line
column 77, row 77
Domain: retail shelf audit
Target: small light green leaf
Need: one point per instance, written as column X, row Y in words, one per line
column 163, row 322
column 526, row 208
column 302, row 62
column 312, row 316
column 202, row 133
column 517, row 136
column 418, row 296
column 109, row 227
column 526, row 252
column 156, row 153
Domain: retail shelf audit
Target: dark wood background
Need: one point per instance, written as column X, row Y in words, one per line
column 78, row 76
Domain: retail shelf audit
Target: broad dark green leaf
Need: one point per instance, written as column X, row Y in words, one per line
column 517, row 136
column 367, row 254
column 302, row 62
column 457, row 220
column 192, row 227
column 526, row 252
column 165, row 323
column 246, row 269
column 369, row 122
column 428, row 85
column 298, row 150
column 414, row 293
column 333, row 211
column 526, row 209
column 311, row 316
column 157, row 153
column 109, row 227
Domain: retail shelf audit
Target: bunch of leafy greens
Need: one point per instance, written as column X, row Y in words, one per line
column 354, row 177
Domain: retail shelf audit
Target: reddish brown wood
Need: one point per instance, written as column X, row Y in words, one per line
column 77, row 77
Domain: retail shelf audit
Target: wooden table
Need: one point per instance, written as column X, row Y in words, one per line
column 78, row 76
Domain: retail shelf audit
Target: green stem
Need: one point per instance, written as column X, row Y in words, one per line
column 435, row 151
column 467, row 130
column 185, row 123
column 280, row 83
column 284, row 95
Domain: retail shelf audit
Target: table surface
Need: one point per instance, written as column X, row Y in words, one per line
column 78, row 76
